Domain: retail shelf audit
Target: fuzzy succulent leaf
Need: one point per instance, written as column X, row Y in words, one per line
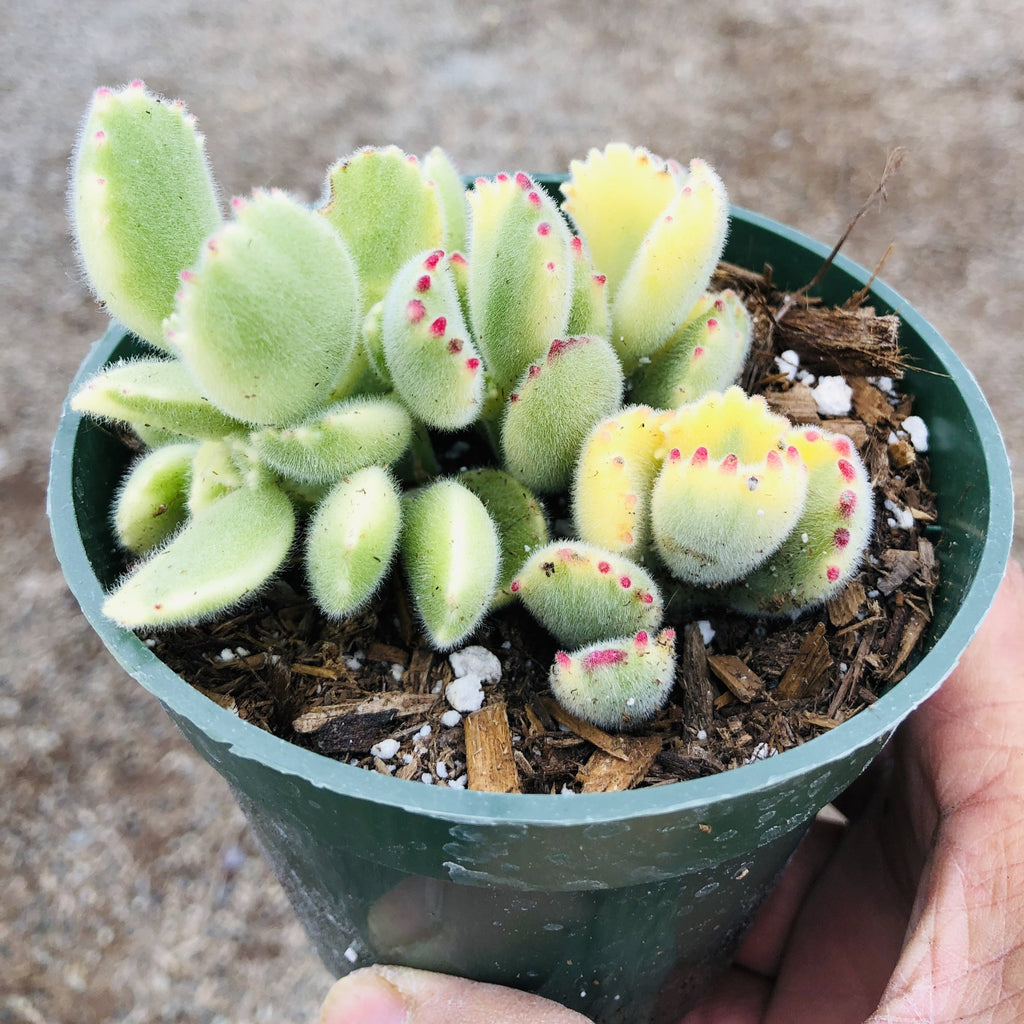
column 351, row 541
column 706, row 354
column 220, row 557
column 269, row 319
column 825, row 547
column 214, row 473
column 518, row 516
column 155, row 395
column 337, row 441
column 387, row 210
column 373, row 345
column 615, row 474
column 613, row 198
column 142, row 200
column 430, row 355
column 672, row 267
column 589, row 311
column 616, row 684
column 452, row 558
column 730, row 489
column 152, row 501
column 555, row 406
column 520, row 274
column 438, row 168
column 580, row 593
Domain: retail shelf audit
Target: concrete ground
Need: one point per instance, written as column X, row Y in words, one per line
column 129, row 888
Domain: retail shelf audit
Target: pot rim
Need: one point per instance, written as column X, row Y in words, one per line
column 471, row 807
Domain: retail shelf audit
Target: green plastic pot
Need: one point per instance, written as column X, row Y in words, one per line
column 589, row 900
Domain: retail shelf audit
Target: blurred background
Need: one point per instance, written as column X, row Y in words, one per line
column 129, row 887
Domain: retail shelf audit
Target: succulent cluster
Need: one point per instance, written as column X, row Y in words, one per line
column 305, row 360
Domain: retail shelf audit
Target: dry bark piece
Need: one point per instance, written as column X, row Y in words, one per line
column 914, row 626
column 796, row 403
column 902, row 455
column 737, row 677
column 693, row 680
column 387, row 652
column 807, row 674
column 854, row 429
column 320, row 671
column 869, row 403
column 399, row 703
column 354, row 726
column 842, row 340
column 901, row 565
column 614, row 746
column 843, row 608
column 490, row 763
column 607, row 773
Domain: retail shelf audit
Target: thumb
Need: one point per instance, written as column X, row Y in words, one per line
column 401, row 995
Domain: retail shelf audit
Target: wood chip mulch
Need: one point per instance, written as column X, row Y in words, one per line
column 756, row 688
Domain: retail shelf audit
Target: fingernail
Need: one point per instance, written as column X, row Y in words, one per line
column 364, row 997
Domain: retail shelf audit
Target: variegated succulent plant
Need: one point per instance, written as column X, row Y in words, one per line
column 305, row 359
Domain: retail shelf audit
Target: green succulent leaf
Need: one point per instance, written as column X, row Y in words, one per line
column 142, row 201
column 588, row 314
column 518, row 516
column 613, row 198
column 154, row 396
column 706, row 354
column 341, row 439
column 672, row 267
column 826, row 545
column 152, row 501
column 452, row 557
column 580, row 593
column 387, row 210
column 730, row 488
column 615, row 474
column 351, row 540
column 214, row 473
column 428, row 350
column 520, row 284
column 222, row 556
column 554, row 408
column 616, row 684
column 269, row 320
column 438, row 168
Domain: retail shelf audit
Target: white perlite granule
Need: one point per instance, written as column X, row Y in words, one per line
column 385, row 750
column 901, row 518
column 833, row 396
column 788, row 363
column 761, row 753
column 707, row 631
column 476, row 661
column 450, row 719
column 465, row 694
column 917, row 431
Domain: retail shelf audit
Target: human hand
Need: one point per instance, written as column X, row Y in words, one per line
column 914, row 911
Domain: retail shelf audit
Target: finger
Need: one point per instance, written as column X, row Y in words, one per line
column 969, row 733
column 848, row 935
column 964, row 957
column 964, row 960
column 401, row 995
